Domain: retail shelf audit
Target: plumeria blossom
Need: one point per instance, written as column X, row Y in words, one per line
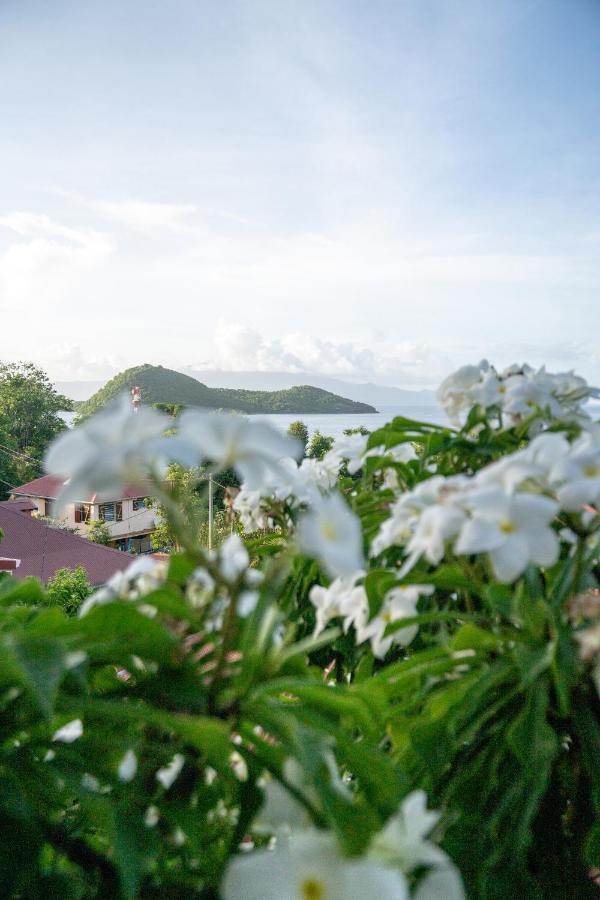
column 310, row 866
column 316, row 476
column 515, row 393
column 513, row 529
column 456, row 391
column 141, row 577
column 404, row 843
column 576, row 475
column 307, row 864
column 112, row 448
column 344, row 598
column 331, row 533
column 399, row 603
column 253, row 449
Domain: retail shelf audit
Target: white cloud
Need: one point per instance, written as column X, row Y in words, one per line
column 143, row 214
column 239, row 348
column 41, row 266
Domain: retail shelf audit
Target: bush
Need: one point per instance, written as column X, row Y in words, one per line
column 67, row 589
column 424, row 629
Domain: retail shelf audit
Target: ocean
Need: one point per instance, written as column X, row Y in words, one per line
column 336, row 424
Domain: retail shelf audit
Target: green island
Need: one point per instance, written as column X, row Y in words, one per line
column 165, row 386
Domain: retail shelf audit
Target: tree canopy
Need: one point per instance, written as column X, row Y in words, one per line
column 29, row 420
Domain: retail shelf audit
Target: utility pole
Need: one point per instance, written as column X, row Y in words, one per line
column 210, row 511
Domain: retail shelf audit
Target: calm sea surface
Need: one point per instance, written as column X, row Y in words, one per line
column 335, row 425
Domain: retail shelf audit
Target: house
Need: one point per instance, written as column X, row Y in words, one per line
column 129, row 521
column 39, row 549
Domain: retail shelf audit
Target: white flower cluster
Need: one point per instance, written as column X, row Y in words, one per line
column 515, row 393
column 141, row 577
column 505, row 510
column 310, row 865
column 328, row 530
column 347, row 600
column 233, row 563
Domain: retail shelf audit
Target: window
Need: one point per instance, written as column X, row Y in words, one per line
column 82, row 512
column 139, row 503
column 111, row 512
column 49, row 512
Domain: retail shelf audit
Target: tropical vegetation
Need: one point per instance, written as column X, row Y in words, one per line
column 388, row 687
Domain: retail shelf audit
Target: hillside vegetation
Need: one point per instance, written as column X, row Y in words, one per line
column 160, row 385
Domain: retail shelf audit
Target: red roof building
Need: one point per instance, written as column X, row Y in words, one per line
column 43, row 548
column 129, row 520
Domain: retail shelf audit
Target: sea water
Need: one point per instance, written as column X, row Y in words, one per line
column 335, row 424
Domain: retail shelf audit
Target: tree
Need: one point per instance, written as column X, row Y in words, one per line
column 68, row 588
column 299, row 431
column 29, row 408
column 99, row 532
column 8, row 471
column 319, row 445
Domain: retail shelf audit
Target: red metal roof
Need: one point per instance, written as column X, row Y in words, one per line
column 43, row 549
column 49, row 486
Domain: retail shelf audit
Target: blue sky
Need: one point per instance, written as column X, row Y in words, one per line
column 374, row 189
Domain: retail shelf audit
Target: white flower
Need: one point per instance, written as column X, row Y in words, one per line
column 343, row 598
column 111, row 449
column 576, row 476
column 331, row 533
column 69, row 732
column 246, row 603
column 352, row 448
column 436, row 526
column 310, row 866
column 455, row 392
column 253, row 449
column 442, row 883
column 141, row 577
column 168, row 774
column 403, row 840
column 526, row 392
column 233, row 558
column 316, row 476
column 127, row 767
column 249, row 507
column 512, row 528
column 399, row 603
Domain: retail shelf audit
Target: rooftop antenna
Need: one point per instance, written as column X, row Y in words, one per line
column 136, row 398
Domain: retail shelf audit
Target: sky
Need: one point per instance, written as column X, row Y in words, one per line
column 376, row 189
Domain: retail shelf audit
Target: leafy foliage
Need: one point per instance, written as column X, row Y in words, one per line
column 99, row 532
column 299, row 431
column 29, row 420
column 318, row 445
column 67, row 589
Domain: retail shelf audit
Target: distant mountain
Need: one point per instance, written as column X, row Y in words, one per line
column 160, row 385
column 374, row 394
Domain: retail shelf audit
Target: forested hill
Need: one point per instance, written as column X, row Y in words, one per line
column 160, row 385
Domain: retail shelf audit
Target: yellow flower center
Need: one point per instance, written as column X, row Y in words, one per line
column 502, row 389
column 328, row 531
column 530, row 403
column 591, row 471
column 507, row 527
column 312, row 889
column 386, row 616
